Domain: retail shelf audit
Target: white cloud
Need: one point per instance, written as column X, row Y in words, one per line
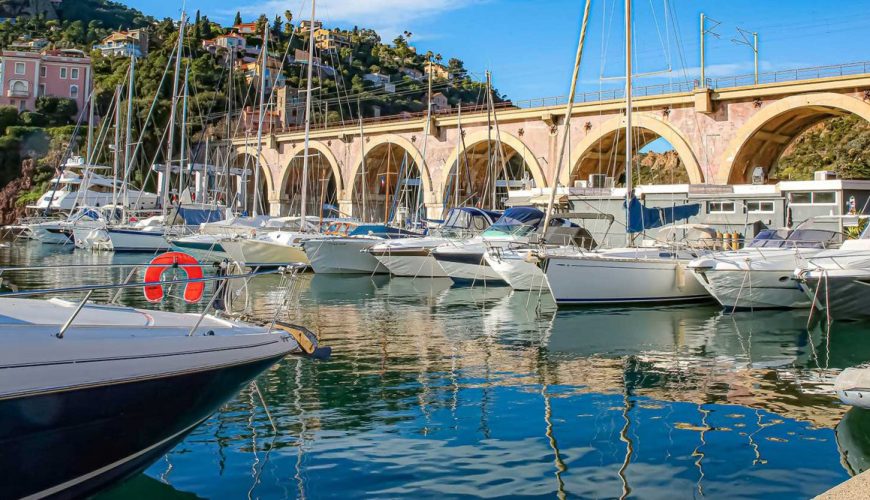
column 388, row 17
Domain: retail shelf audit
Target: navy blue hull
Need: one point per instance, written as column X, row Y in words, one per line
column 74, row 443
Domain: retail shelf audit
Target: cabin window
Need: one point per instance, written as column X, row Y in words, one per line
column 814, row 198
column 19, row 68
column 759, row 207
column 720, row 207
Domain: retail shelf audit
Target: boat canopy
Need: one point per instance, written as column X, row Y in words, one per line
column 380, row 230
column 197, row 216
column 470, row 218
column 641, row 218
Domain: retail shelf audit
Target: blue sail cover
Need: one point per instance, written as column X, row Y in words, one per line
column 641, row 218
column 196, row 216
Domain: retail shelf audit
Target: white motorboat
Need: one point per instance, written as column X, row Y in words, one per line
column 762, row 274
column 622, row 276
column 279, row 242
column 837, row 280
column 50, row 232
column 124, row 384
column 519, row 265
column 412, row 256
column 347, row 255
column 852, row 386
column 79, row 186
column 146, row 235
column 464, row 261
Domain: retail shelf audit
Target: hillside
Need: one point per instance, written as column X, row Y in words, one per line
column 341, row 94
column 840, row 144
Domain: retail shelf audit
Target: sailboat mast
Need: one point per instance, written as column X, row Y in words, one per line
column 362, row 147
column 458, row 154
column 128, row 138
column 426, row 132
column 116, row 163
column 568, row 110
column 629, row 187
column 490, row 165
column 167, row 175
column 304, row 194
column 91, row 112
column 183, row 155
column 263, row 69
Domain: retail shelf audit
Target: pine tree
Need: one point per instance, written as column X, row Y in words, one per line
column 238, row 19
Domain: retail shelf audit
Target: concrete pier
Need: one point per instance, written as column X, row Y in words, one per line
column 856, row 487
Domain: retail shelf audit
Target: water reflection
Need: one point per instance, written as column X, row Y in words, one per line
column 440, row 391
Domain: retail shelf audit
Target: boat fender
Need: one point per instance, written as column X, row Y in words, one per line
column 193, row 291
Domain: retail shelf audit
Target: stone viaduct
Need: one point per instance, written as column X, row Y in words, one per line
column 720, row 134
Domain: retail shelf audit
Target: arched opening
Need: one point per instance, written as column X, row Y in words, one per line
column 778, row 149
column 321, row 190
column 659, row 154
column 654, row 161
column 387, row 186
column 244, row 181
column 776, row 129
column 483, row 172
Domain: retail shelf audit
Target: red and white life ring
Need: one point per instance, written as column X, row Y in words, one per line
column 193, row 291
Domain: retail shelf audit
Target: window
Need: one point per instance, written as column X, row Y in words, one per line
column 73, row 91
column 43, row 71
column 41, row 90
column 824, row 197
column 63, row 73
column 74, row 74
column 720, row 207
column 19, row 68
column 759, row 207
column 813, row 198
column 20, row 105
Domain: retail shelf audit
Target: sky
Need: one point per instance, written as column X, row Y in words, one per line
column 529, row 45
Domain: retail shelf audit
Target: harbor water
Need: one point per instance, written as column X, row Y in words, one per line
column 439, row 391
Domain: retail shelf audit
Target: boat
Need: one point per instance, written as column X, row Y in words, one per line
column 346, row 254
column 146, row 235
column 852, row 386
column 762, row 274
column 93, row 394
column 464, row 262
column 836, row 281
column 79, row 186
column 519, row 265
column 279, row 242
column 412, row 257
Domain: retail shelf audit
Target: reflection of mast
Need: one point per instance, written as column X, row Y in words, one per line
column 623, row 434
column 551, row 438
column 697, row 451
column 300, row 483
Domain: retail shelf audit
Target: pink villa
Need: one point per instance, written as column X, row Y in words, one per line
column 24, row 76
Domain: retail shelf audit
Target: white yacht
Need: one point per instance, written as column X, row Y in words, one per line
column 762, row 274
column 346, row 254
column 127, row 394
column 278, row 242
column 519, row 265
column 464, row 261
column 79, row 186
column 837, row 281
column 412, row 257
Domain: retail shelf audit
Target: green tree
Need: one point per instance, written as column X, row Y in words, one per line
column 238, row 20
column 8, row 118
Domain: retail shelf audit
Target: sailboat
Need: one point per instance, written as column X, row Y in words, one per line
column 633, row 274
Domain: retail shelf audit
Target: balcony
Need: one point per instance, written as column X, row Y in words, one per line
column 17, row 93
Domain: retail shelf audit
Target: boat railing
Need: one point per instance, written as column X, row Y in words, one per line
column 222, row 277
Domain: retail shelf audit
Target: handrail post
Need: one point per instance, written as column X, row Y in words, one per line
column 75, row 313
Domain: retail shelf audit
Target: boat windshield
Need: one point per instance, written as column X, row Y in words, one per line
column 468, row 219
column 798, row 238
column 516, row 221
